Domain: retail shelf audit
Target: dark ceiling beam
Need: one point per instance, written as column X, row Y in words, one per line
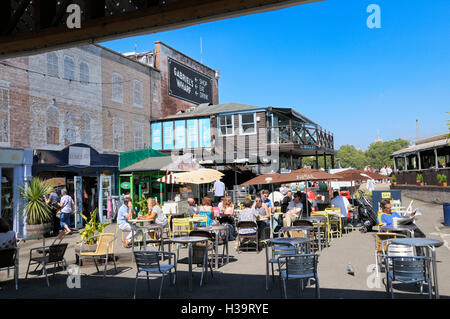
column 16, row 16
column 5, row 15
column 163, row 17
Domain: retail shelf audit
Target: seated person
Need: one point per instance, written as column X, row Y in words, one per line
column 206, row 209
column 294, row 210
column 125, row 213
column 340, row 202
column 263, row 212
column 286, row 200
column 248, row 214
column 226, row 207
column 385, row 217
column 192, row 209
column 7, row 236
column 307, row 206
column 155, row 213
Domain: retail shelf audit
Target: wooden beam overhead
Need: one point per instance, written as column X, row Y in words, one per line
column 167, row 15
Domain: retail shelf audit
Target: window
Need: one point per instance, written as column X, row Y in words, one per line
column 85, row 128
column 247, row 125
column 138, row 135
column 155, row 92
column 118, row 134
column 52, row 125
column 52, row 64
column 84, row 73
column 69, row 69
column 137, row 89
column 226, row 125
column 117, row 87
column 4, row 115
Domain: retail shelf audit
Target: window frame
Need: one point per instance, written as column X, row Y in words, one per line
column 241, row 132
column 52, row 66
column 88, row 73
column 67, row 58
column 141, row 95
column 114, row 87
column 219, row 126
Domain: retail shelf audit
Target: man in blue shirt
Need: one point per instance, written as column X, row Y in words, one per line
column 386, row 217
column 219, row 191
column 125, row 213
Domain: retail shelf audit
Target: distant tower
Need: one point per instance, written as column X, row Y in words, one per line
column 417, row 129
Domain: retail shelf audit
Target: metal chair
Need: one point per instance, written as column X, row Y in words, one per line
column 321, row 222
column 105, row 249
column 412, row 269
column 311, row 234
column 277, row 251
column 299, row 267
column 150, row 263
column 250, row 236
column 51, row 254
column 8, row 259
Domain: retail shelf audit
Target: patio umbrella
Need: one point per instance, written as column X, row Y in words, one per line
column 353, row 175
column 307, row 175
column 56, row 181
column 199, row 176
column 265, row 179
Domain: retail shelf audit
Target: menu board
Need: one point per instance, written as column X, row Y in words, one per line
column 180, row 134
column 192, row 133
column 188, row 84
column 156, row 136
column 168, row 135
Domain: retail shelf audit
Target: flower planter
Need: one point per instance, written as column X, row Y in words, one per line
column 39, row 229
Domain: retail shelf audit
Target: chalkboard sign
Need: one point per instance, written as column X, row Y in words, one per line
column 189, row 85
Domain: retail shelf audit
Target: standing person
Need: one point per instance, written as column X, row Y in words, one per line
column 218, row 191
column 125, row 213
column 66, row 205
column 52, row 202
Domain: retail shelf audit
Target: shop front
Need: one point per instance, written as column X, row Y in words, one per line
column 90, row 177
column 15, row 169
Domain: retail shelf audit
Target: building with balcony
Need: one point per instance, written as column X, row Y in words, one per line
column 242, row 140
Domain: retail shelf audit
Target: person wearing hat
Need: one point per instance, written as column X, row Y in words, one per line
column 125, row 213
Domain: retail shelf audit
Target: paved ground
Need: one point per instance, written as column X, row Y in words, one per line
column 244, row 276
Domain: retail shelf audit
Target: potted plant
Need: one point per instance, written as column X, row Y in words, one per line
column 442, row 179
column 393, row 180
column 91, row 228
column 419, row 179
column 37, row 212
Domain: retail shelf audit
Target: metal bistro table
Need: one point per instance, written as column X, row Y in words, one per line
column 296, row 228
column 189, row 240
column 429, row 243
column 400, row 228
column 217, row 229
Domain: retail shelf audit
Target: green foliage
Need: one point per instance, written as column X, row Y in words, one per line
column 323, row 187
column 142, row 205
column 351, row 157
column 92, row 228
column 441, row 178
column 393, row 179
column 378, row 154
column 36, row 210
column 419, row 178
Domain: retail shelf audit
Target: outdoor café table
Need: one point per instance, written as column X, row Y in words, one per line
column 429, row 243
column 400, row 228
column 318, row 221
column 217, row 229
column 189, row 240
column 295, row 228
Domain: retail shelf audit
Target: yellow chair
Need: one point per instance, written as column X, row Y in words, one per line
column 334, row 217
column 105, row 249
column 328, row 222
column 123, row 231
column 180, row 226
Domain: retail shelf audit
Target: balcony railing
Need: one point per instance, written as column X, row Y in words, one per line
column 306, row 136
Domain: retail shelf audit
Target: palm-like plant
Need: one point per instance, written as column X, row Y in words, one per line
column 36, row 211
column 92, row 228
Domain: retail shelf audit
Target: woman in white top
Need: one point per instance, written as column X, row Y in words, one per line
column 226, row 206
column 7, row 237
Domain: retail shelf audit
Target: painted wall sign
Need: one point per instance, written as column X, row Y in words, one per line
column 79, row 156
column 11, row 156
column 156, row 136
column 125, row 185
column 188, row 84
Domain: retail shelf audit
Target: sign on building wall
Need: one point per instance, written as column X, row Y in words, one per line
column 192, row 133
column 205, row 132
column 79, row 156
column 156, row 136
column 180, row 134
column 168, row 135
column 188, row 84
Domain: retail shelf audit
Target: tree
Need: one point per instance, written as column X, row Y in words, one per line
column 378, row 154
column 351, row 157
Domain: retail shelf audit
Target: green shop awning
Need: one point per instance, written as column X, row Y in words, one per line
column 148, row 164
column 129, row 158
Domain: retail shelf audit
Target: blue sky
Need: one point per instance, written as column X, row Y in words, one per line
column 322, row 60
